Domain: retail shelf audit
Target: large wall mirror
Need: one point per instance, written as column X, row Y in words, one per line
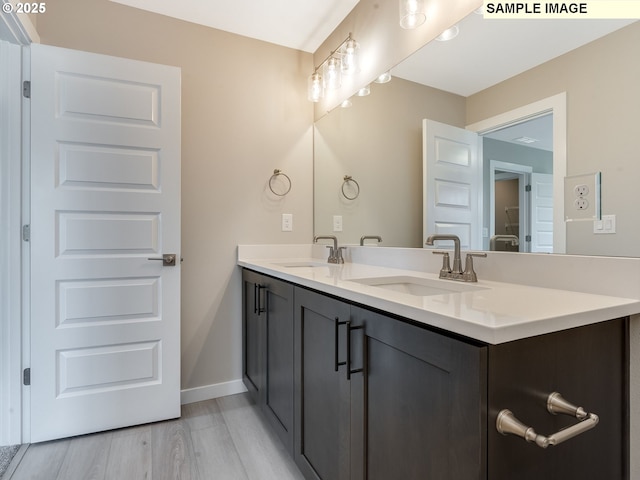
column 490, row 69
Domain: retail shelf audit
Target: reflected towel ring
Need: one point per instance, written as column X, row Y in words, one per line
column 347, row 180
column 276, row 174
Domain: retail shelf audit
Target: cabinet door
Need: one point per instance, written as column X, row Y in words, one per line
column 322, row 394
column 252, row 364
column 277, row 394
column 418, row 405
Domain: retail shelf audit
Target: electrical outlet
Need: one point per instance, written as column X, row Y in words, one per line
column 287, row 222
column 582, row 197
column 581, row 190
column 337, row 223
column 581, row 203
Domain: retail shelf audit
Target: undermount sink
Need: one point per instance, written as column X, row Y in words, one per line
column 303, row 264
column 418, row 286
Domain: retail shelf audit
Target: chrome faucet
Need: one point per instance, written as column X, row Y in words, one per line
column 370, row 237
column 335, row 253
column 455, row 273
column 504, row 238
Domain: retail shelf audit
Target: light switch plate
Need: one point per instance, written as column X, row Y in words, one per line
column 337, row 223
column 605, row 226
column 287, row 222
column 582, row 197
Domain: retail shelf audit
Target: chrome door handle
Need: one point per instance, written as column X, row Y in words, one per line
column 168, row 260
column 507, row 423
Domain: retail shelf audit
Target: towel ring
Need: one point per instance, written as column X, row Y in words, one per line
column 276, row 174
column 347, row 180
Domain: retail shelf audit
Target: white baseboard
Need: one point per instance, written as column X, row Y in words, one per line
column 208, row 392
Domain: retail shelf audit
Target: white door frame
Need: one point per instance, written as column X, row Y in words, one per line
column 15, row 30
column 10, row 224
column 557, row 105
column 523, row 173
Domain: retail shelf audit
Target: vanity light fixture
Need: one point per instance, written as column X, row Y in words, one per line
column 350, row 52
column 383, row 78
column 412, row 13
column 328, row 75
column 346, row 103
column 449, row 34
column 315, row 87
column 332, row 73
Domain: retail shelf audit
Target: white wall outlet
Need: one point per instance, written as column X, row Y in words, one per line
column 581, row 190
column 606, row 225
column 581, row 203
column 287, row 222
column 582, row 197
column 337, row 223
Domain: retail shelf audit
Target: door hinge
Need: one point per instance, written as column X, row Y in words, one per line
column 26, row 376
column 26, row 89
column 26, row 233
column 527, row 238
column 527, row 188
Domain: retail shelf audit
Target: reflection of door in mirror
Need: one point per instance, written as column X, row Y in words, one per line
column 507, row 212
column 452, row 193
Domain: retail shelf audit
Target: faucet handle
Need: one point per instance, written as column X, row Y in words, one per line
column 332, row 254
column 445, row 271
column 469, row 274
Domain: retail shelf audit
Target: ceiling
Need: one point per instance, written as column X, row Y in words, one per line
column 299, row 24
column 486, row 52
column 534, row 133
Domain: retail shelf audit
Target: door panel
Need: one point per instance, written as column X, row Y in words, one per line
column 105, row 198
column 541, row 212
column 452, row 173
column 322, row 393
column 278, row 401
column 417, row 409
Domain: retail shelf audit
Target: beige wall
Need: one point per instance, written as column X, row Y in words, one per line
column 244, row 113
column 603, row 96
column 378, row 141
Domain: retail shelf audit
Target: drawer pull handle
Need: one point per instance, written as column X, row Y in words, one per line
column 508, row 424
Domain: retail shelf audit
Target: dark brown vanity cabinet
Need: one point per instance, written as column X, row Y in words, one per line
column 378, row 398
column 268, row 349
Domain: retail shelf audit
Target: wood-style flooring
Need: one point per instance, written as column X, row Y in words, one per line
column 219, row 439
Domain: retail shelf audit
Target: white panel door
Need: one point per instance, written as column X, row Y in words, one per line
column 542, row 212
column 452, row 194
column 105, row 198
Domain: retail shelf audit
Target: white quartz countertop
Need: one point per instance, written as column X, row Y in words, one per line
column 494, row 313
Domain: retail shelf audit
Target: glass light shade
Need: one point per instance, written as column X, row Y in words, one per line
column 384, row 78
column 448, row 34
column 346, row 103
column 412, row 13
column 350, row 51
column 364, row 91
column 332, row 73
column 315, row 87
